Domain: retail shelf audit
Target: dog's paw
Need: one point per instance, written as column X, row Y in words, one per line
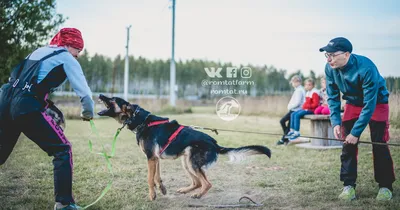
column 152, row 195
column 163, row 190
column 182, row 190
column 196, row 195
column 188, row 189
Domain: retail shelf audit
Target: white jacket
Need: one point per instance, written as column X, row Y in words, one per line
column 297, row 100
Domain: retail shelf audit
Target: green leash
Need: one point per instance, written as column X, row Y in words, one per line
column 106, row 157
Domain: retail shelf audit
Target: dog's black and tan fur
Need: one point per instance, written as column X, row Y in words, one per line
column 196, row 149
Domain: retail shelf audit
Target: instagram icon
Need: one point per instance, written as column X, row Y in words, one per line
column 245, row 72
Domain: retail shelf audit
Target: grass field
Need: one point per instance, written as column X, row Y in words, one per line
column 294, row 178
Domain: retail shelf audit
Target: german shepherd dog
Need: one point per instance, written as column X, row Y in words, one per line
column 160, row 138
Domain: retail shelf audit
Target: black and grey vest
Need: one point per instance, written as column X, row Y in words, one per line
column 22, row 94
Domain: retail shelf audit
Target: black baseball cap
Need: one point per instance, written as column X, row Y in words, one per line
column 338, row 44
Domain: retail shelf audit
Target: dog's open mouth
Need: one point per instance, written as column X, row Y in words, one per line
column 107, row 103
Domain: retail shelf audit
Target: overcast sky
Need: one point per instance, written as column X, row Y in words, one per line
column 283, row 33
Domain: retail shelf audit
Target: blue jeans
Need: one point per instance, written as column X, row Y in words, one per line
column 295, row 119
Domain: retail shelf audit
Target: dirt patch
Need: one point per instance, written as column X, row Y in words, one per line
column 230, row 183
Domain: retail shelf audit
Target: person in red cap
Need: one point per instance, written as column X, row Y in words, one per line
column 71, row 38
column 24, row 107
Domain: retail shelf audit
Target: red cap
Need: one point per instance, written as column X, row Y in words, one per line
column 68, row 37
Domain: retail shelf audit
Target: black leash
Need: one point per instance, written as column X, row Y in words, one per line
column 253, row 204
column 215, row 130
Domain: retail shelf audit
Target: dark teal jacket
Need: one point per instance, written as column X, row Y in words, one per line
column 361, row 85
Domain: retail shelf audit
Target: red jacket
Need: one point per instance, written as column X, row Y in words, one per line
column 312, row 100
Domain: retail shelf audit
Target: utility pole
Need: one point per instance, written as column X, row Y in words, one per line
column 126, row 74
column 172, row 86
column 113, row 78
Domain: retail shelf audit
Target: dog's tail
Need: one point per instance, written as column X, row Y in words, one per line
column 241, row 152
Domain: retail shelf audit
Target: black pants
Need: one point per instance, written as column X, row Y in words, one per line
column 383, row 163
column 285, row 127
column 42, row 130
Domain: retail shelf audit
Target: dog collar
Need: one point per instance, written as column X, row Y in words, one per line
column 141, row 124
column 128, row 121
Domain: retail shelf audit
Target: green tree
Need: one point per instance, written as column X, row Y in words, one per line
column 24, row 26
column 312, row 75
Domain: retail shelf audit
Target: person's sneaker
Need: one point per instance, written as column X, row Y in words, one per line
column 280, row 142
column 295, row 135
column 384, row 194
column 348, row 194
column 290, row 133
column 72, row 206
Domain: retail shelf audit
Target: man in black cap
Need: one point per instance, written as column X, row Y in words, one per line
column 366, row 95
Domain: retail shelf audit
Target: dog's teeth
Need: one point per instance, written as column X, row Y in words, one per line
column 105, row 104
